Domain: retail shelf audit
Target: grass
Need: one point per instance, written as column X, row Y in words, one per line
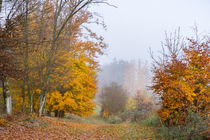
column 99, row 127
column 85, row 120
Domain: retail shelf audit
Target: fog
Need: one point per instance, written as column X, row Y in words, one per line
column 131, row 75
column 134, row 27
column 137, row 25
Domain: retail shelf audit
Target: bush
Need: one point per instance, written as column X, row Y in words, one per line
column 145, row 103
column 181, row 79
column 139, row 107
column 114, row 119
column 152, row 120
column 195, row 129
column 127, row 116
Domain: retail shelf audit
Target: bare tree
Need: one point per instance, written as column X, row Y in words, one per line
column 113, row 99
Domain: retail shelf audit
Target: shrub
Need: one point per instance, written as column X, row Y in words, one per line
column 139, row 107
column 114, row 119
column 127, row 116
column 152, row 120
column 181, row 79
column 145, row 105
column 195, row 129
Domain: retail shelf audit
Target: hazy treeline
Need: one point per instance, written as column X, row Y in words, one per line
column 123, row 91
column 131, row 75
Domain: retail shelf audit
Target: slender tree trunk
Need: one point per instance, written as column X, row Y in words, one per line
column 23, row 96
column 49, row 113
column 26, row 31
column 56, row 113
column 8, row 97
column 42, row 104
column 30, row 98
column 1, row 4
column 4, row 96
column 61, row 114
column 48, row 71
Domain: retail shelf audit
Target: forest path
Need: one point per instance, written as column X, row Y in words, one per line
column 54, row 128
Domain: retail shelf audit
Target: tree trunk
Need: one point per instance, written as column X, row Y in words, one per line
column 46, row 77
column 49, row 113
column 62, row 114
column 8, row 97
column 26, row 65
column 56, row 113
column 4, row 96
column 23, row 96
column 42, row 104
column 0, row 5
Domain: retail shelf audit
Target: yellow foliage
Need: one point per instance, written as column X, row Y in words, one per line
column 77, row 87
column 184, row 85
column 130, row 105
column 73, row 67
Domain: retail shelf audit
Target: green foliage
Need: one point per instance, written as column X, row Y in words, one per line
column 87, row 120
column 152, row 120
column 114, row 119
column 138, row 107
column 195, row 129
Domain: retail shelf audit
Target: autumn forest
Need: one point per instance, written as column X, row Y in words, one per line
column 53, row 86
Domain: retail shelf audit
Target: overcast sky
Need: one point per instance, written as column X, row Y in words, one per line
column 137, row 25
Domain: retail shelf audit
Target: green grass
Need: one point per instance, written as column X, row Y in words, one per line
column 97, row 110
column 94, row 119
column 122, row 131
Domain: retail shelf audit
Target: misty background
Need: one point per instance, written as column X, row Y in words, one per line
column 137, row 25
column 134, row 27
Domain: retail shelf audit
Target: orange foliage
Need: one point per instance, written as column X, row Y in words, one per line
column 183, row 83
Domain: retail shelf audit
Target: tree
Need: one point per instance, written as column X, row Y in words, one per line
column 75, row 61
column 44, row 33
column 113, row 99
column 198, row 74
column 181, row 80
column 63, row 12
column 75, row 84
column 9, row 42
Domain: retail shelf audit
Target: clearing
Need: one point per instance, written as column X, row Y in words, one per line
column 55, row 128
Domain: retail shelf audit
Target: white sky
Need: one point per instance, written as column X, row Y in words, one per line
column 137, row 25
